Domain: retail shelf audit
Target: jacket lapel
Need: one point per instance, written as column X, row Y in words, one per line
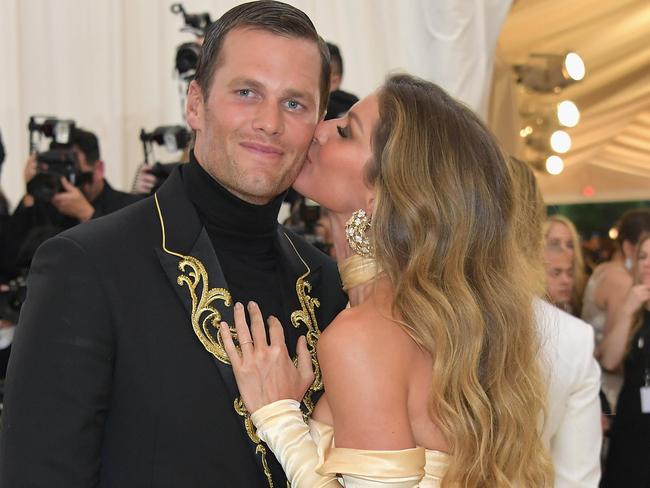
column 305, row 280
column 193, row 270
column 295, row 268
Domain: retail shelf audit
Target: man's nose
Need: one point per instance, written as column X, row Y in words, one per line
column 269, row 118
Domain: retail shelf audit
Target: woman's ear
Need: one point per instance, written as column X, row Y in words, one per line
column 628, row 249
column 370, row 204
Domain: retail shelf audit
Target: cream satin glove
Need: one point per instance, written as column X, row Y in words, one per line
column 310, row 461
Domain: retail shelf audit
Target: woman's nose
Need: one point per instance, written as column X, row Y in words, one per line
column 321, row 134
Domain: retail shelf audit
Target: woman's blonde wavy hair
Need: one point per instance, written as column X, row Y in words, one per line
column 443, row 233
column 529, row 218
column 579, row 275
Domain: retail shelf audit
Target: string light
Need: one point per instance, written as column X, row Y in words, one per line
column 568, row 114
column 554, row 165
column 560, row 141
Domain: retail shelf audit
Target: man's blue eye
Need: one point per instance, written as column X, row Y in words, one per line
column 244, row 92
column 292, row 104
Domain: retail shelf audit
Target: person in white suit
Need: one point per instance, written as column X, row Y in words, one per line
column 571, row 430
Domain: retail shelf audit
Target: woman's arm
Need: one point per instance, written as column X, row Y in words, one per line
column 372, row 414
column 611, row 293
column 612, row 349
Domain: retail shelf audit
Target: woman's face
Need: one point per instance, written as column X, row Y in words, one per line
column 334, row 173
column 558, row 235
column 643, row 263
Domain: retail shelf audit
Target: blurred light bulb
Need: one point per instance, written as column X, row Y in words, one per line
column 554, row 165
column 568, row 114
column 613, row 233
column 560, row 141
column 526, row 131
column 574, row 66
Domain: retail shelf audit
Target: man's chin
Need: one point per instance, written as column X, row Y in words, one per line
column 260, row 194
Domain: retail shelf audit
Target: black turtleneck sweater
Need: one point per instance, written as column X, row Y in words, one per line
column 244, row 238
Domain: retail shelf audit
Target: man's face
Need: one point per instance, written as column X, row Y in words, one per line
column 559, row 277
column 253, row 131
column 93, row 188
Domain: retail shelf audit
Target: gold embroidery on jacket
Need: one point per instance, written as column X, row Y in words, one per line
column 206, row 319
column 205, row 316
column 306, row 316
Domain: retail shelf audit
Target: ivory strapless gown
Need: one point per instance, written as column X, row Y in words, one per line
column 311, row 460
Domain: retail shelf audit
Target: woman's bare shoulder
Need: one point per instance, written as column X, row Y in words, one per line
column 364, row 362
column 614, row 275
column 367, row 331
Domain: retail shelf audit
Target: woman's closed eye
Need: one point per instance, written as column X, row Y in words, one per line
column 344, row 132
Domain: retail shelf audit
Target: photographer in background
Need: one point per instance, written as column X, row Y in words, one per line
column 36, row 220
column 4, row 205
column 6, row 325
column 151, row 174
column 340, row 101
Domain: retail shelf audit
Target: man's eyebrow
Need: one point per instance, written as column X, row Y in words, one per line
column 355, row 118
column 248, row 82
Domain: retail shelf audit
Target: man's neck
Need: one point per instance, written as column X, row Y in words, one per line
column 96, row 189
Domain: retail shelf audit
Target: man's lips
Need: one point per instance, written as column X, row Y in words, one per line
column 262, row 149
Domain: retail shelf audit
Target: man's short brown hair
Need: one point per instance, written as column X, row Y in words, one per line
column 266, row 15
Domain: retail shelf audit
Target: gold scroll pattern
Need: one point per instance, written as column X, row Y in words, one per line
column 206, row 319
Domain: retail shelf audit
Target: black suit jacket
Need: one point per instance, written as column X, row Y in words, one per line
column 29, row 227
column 108, row 384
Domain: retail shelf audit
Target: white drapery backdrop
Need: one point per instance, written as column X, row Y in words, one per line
column 108, row 64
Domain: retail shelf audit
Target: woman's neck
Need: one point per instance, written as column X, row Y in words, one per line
column 360, row 293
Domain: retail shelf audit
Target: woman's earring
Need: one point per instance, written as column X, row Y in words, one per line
column 355, row 232
column 629, row 263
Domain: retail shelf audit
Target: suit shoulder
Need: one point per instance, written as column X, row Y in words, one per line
column 562, row 329
column 117, row 227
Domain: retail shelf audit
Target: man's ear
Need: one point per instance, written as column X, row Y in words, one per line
column 335, row 82
column 99, row 170
column 194, row 106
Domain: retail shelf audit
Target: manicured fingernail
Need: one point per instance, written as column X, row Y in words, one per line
column 239, row 306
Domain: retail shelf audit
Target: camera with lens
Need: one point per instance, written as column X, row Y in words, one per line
column 187, row 54
column 195, row 23
column 187, row 58
column 12, row 298
column 174, row 138
column 59, row 161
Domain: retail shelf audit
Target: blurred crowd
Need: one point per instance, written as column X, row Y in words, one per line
column 613, row 297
